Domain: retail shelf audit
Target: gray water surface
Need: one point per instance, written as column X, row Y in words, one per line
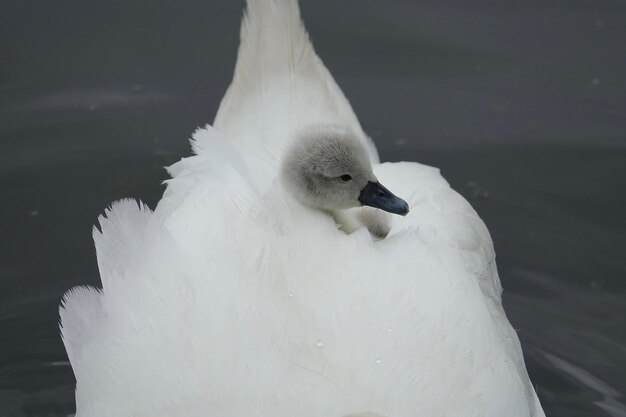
column 521, row 104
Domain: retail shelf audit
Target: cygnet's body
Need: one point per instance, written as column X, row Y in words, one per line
column 232, row 300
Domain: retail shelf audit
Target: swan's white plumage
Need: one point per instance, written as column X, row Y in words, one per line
column 231, row 299
column 279, row 85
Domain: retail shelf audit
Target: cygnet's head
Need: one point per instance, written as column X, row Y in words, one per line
column 327, row 167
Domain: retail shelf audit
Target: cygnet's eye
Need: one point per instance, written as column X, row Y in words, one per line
column 346, row 177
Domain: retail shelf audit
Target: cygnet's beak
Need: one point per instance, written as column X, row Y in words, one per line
column 375, row 195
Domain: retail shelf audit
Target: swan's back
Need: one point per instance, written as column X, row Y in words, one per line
column 279, row 85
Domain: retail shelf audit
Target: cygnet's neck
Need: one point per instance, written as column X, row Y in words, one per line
column 377, row 222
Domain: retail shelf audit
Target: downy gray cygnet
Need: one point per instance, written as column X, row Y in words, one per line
column 327, row 167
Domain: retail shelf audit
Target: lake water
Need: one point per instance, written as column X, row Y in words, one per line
column 521, row 104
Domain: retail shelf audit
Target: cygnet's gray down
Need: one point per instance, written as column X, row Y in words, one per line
column 327, row 167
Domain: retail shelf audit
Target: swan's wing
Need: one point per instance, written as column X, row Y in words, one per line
column 135, row 344
column 445, row 218
column 279, row 84
column 448, row 224
column 80, row 314
column 118, row 245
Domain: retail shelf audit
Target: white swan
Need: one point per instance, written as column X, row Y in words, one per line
column 234, row 299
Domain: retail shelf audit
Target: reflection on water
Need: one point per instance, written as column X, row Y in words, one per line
column 520, row 105
column 609, row 401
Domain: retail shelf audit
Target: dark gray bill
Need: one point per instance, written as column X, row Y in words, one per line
column 375, row 195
